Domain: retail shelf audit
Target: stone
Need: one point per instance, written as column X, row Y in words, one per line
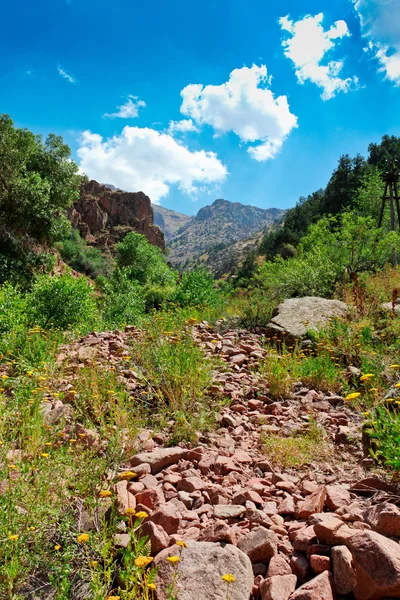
column 200, row 571
column 319, row 563
column 121, row 540
column 314, row 503
column 326, row 526
column 159, row 459
column 191, row 484
column 260, row 544
column 384, row 518
column 294, row 317
column 278, row 565
column 300, row 565
column 218, row 531
column 150, row 498
column 305, row 538
column 125, row 499
column 243, row 496
column 336, row 497
column 319, row 588
column 228, row 511
column 159, row 538
column 344, row 575
column 377, row 565
column 279, row 587
column 168, row 517
column 286, row 507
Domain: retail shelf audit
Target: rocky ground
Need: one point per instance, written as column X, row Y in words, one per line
column 328, row 530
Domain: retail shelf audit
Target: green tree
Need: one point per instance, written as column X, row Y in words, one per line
column 143, row 262
column 388, row 149
column 342, row 187
column 38, row 183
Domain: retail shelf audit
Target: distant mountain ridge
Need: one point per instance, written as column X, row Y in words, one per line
column 214, row 228
column 169, row 221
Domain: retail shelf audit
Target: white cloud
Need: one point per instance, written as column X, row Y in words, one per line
column 183, row 126
column 307, row 47
column 66, row 75
column 244, row 105
column 129, row 110
column 380, row 24
column 143, row 159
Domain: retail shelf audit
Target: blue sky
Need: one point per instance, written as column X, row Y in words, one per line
column 250, row 101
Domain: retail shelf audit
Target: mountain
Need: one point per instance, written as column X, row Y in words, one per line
column 169, row 221
column 215, row 229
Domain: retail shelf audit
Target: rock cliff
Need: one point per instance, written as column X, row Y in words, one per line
column 104, row 216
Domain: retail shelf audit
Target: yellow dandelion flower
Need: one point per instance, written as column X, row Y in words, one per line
column 142, row 514
column 127, row 475
column 94, row 563
column 373, row 389
column 389, row 400
column 105, row 494
column 173, row 559
column 181, row 543
column 366, row 413
column 353, row 396
column 397, row 385
column 83, row 538
column 4, row 377
column 143, row 561
column 151, row 586
column 45, row 454
column 113, row 597
column 229, row 578
column 29, row 373
column 394, row 366
column 367, row 376
column 72, row 441
column 32, row 528
column 130, row 511
column 13, row 538
column 12, row 467
column 57, row 547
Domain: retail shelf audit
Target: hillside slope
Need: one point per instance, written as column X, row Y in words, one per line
column 169, row 221
column 216, row 227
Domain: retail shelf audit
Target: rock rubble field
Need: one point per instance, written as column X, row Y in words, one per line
column 329, row 529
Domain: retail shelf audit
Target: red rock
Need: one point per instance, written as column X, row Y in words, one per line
column 278, row 565
column 377, row 564
column 218, row 531
column 336, row 497
column 384, row 518
column 319, row 563
column 305, row 538
column 254, row 515
column 319, row 588
column 149, row 481
column 159, row 538
column 238, row 359
column 244, row 495
column 159, row 459
column 241, row 456
column 167, row 516
column 344, row 575
column 260, row 544
column 309, row 487
column 286, row 486
column 125, row 499
column 228, row 511
column 191, row 484
column 225, row 465
column 150, row 498
column 294, row 528
column 279, row 587
column 270, row 508
column 312, row 504
column 326, row 527
column 300, row 565
column 286, row 507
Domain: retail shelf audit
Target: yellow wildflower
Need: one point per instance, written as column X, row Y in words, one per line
column 113, row 597
column 394, row 366
column 83, row 538
column 127, row 475
column 353, row 396
column 389, row 399
column 130, row 511
column 13, row 538
column 105, row 494
column 72, row 441
column 142, row 514
column 95, row 563
column 366, row 377
column 181, row 543
column 173, row 559
column 57, row 547
column 229, row 578
column 143, row 561
column 32, row 528
column 4, row 377
column 373, row 389
column 151, row 586
column 45, row 454
column 29, row 373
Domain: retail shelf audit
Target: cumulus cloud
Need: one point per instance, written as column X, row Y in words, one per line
column 244, row 105
column 307, row 47
column 66, row 75
column 380, row 24
column 183, row 126
column 145, row 159
column 129, row 110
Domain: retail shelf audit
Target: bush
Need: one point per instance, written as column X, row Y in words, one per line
column 12, row 308
column 61, row 301
column 83, row 258
column 196, row 289
column 123, row 299
column 157, row 296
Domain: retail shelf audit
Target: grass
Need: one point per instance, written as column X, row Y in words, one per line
column 309, row 445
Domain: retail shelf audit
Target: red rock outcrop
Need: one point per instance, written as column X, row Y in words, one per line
column 105, row 216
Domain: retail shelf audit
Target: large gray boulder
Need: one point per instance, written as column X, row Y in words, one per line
column 200, row 571
column 294, row 317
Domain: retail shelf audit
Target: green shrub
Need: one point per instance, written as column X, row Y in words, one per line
column 12, row 308
column 196, row 289
column 61, row 301
column 255, row 310
column 123, row 300
column 83, row 258
column 157, row 296
column 384, row 430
